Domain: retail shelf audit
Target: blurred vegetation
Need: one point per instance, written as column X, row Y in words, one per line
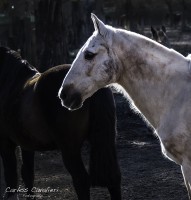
column 49, row 32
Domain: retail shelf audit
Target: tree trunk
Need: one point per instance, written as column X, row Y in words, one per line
column 51, row 35
column 183, row 24
column 170, row 9
column 131, row 15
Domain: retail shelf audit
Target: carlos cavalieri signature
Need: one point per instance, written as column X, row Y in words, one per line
column 21, row 189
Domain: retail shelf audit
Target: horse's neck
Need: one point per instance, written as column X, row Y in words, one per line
column 151, row 73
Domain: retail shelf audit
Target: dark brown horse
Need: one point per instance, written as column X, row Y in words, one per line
column 32, row 117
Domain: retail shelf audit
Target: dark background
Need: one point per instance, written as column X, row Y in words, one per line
column 50, row 32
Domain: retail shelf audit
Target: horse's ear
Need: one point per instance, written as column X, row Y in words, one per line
column 98, row 25
column 154, row 33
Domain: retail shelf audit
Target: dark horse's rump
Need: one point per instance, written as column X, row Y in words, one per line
column 31, row 116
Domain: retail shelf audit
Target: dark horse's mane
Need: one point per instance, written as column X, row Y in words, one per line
column 14, row 72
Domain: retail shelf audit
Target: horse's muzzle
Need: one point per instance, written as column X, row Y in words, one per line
column 70, row 98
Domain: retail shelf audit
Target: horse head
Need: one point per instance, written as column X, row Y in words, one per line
column 94, row 67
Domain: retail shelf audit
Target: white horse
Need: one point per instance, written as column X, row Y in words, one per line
column 156, row 78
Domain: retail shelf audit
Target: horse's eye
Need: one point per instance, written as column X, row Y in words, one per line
column 89, row 55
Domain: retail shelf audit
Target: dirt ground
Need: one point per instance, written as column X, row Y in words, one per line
column 146, row 174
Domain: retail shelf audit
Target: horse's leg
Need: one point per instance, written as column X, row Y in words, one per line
column 7, row 150
column 74, row 165
column 27, row 170
column 175, row 150
column 104, row 167
column 186, row 171
column 115, row 192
